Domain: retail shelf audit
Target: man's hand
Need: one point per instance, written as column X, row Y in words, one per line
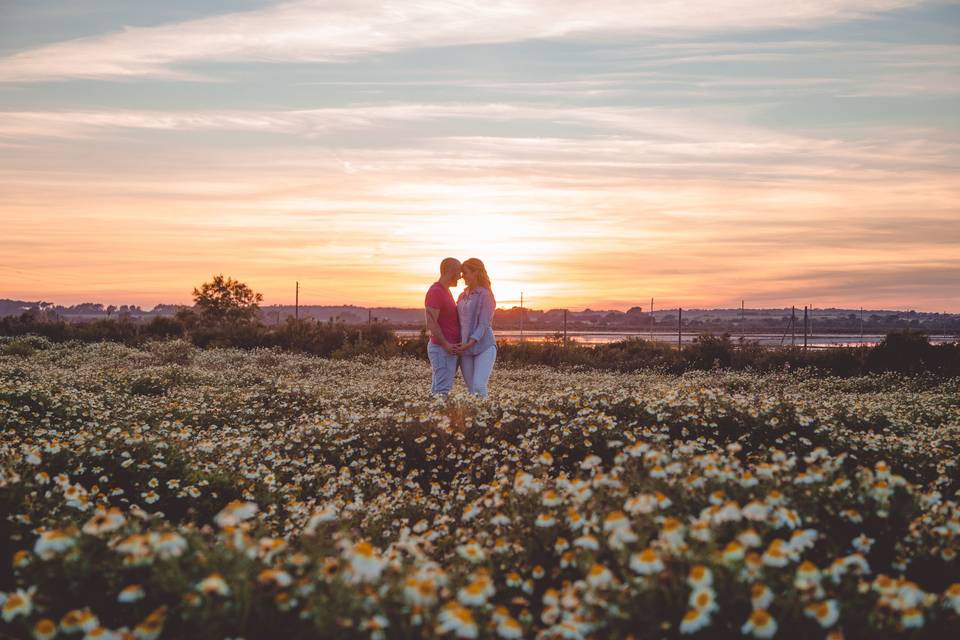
column 450, row 348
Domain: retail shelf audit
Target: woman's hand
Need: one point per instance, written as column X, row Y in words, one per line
column 463, row 346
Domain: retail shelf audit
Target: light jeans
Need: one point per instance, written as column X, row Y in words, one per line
column 477, row 369
column 444, row 367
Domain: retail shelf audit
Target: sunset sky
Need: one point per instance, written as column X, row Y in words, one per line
column 592, row 153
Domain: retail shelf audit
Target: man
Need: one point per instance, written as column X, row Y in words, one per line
column 444, row 326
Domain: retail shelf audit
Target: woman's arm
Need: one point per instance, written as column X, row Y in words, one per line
column 485, row 316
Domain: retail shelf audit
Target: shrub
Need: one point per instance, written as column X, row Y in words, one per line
column 173, row 351
column 20, row 348
column 944, row 359
column 902, row 351
column 122, row 330
column 163, row 327
column 267, row 358
column 709, row 351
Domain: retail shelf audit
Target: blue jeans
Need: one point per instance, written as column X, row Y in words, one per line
column 477, row 369
column 444, row 367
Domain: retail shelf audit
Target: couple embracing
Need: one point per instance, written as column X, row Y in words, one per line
column 460, row 332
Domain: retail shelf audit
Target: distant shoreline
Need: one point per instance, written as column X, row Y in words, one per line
column 831, row 339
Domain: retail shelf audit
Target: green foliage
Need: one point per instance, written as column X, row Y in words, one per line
column 906, row 355
column 164, row 328
column 173, row 351
column 709, row 352
column 19, row 348
column 903, row 352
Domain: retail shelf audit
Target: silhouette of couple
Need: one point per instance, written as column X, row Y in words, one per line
column 460, row 332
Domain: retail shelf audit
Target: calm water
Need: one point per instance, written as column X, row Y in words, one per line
column 601, row 337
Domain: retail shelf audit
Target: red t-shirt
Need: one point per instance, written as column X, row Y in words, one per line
column 439, row 297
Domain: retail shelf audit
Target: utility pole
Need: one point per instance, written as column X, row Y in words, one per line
column 742, row 330
column 861, row 326
column 564, row 327
column 679, row 327
column 296, row 303
column 793, row 325
column 521, row 316
column 369, row 316
column 804, row 327
column 651, row 319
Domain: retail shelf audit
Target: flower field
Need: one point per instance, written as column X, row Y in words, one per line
column 180, row 493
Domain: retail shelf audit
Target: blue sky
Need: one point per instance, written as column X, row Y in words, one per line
column 594, row 154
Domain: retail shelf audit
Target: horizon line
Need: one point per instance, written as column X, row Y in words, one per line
column 618, row 308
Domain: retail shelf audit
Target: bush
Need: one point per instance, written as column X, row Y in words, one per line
column 163, row 327
column 901, row 351
column 122, row 330
column 19, row 348
column 709, row 352
column 23, row 346
column 268, row 358
column 636, row 353
column 944, row 359
column 173, row 351
column 148, row 383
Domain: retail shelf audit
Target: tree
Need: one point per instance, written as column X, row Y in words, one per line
column 87, row 308
column 110, row 310
column 226, row 300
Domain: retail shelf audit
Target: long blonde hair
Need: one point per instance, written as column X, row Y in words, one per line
column 475, row 264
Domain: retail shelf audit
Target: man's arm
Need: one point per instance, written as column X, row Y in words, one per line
column 433, row 324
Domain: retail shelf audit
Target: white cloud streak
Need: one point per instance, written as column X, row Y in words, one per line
column 687, row 123
column 338, row 30
column 605, row 138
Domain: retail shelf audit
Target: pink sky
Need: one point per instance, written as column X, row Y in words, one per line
column 801, row 154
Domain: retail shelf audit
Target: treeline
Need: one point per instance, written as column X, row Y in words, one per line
column 326, row 339
column 902, row 351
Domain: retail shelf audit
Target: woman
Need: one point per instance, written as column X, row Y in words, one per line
column 479, row 348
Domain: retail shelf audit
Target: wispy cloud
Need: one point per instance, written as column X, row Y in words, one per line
column 605, row 138
column 337, row 30
column 688, row 123
column 783, row 68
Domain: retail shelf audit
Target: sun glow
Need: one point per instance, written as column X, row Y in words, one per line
column 481, row 221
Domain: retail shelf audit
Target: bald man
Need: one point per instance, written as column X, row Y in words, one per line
column 444, row 326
